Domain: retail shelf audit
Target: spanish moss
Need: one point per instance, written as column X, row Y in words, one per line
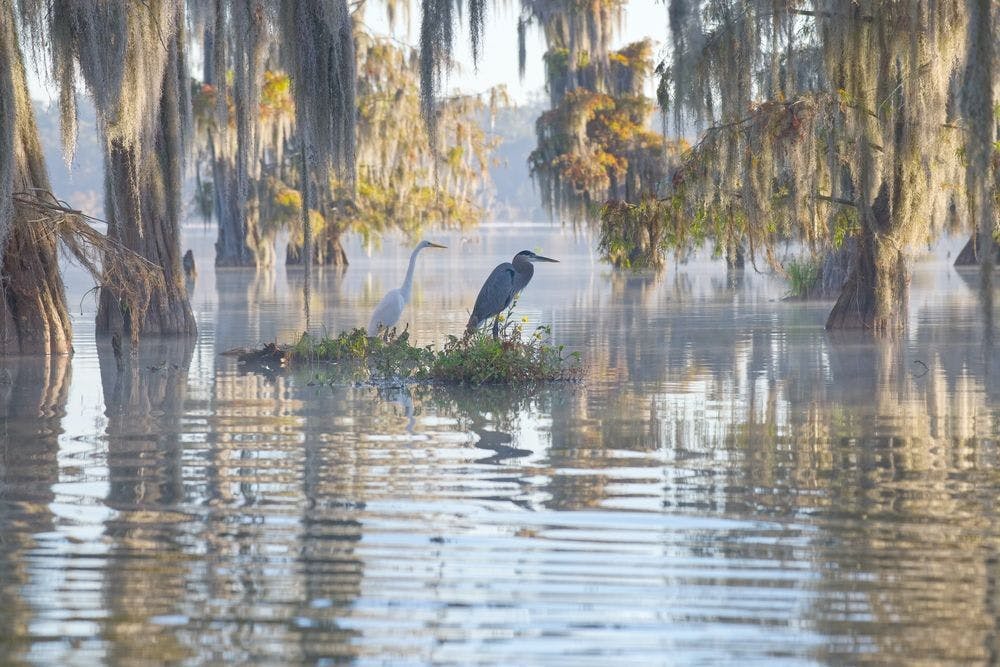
column 978, row 107
column 33, row 314
column 436, row 33
column 319, row 44
column 824, row 126
column 236, row 37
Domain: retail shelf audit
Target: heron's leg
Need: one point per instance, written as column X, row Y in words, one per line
column 496, row 327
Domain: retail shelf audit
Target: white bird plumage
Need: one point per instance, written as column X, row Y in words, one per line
column 389, row 309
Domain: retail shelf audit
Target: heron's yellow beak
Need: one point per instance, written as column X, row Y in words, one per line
column 436, row 245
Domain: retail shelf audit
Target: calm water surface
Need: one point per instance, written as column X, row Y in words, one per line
column 731, row 483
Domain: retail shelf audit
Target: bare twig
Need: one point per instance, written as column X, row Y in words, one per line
column 132, row 278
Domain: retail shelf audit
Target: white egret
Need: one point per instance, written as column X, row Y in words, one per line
column 391, row 306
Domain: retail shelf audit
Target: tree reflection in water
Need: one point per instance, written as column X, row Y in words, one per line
column 147, row 564
column 33, row 393
column 729, row 480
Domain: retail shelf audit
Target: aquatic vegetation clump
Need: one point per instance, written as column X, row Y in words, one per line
column 513, row 358
column 355, row 355
column 635, row 236
column 803, row 277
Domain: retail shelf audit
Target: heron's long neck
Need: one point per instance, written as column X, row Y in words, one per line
column 524, row 269
column 408, row 282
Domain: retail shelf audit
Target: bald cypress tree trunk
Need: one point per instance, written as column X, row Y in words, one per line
column 978, row 107
column 327, row 251
column 875, row 294
column 238, row 235
column 147, row 219
column 232, row 246
column 33, row 316
column 333, row 251
column 236, row 46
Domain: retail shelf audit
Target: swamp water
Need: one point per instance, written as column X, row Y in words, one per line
column 731, row 483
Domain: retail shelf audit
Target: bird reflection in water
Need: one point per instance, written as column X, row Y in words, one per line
column 400, row 395
column 491, row 412
column 498, row 442
column 490, row 439
column 479, row 408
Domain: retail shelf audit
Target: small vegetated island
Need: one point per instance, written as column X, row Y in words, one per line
column 514, row 357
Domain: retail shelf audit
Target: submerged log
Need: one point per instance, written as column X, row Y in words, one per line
column 271, row 355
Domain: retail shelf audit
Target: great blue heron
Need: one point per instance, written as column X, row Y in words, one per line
column 391, row 306
column 501, row 287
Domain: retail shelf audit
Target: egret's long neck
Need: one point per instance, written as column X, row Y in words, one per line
column 408, row 282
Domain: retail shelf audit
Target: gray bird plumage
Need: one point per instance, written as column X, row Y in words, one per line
column 500, row 288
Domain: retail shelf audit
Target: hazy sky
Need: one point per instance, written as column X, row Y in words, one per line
column 643, row 18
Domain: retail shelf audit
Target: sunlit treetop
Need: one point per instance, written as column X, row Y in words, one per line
column 802, row 106
column 400, row 181
column 595, row 143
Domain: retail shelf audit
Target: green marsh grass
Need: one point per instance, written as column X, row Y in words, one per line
column 516, row 357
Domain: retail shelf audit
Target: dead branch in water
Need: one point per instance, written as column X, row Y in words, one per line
column 128, row 275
